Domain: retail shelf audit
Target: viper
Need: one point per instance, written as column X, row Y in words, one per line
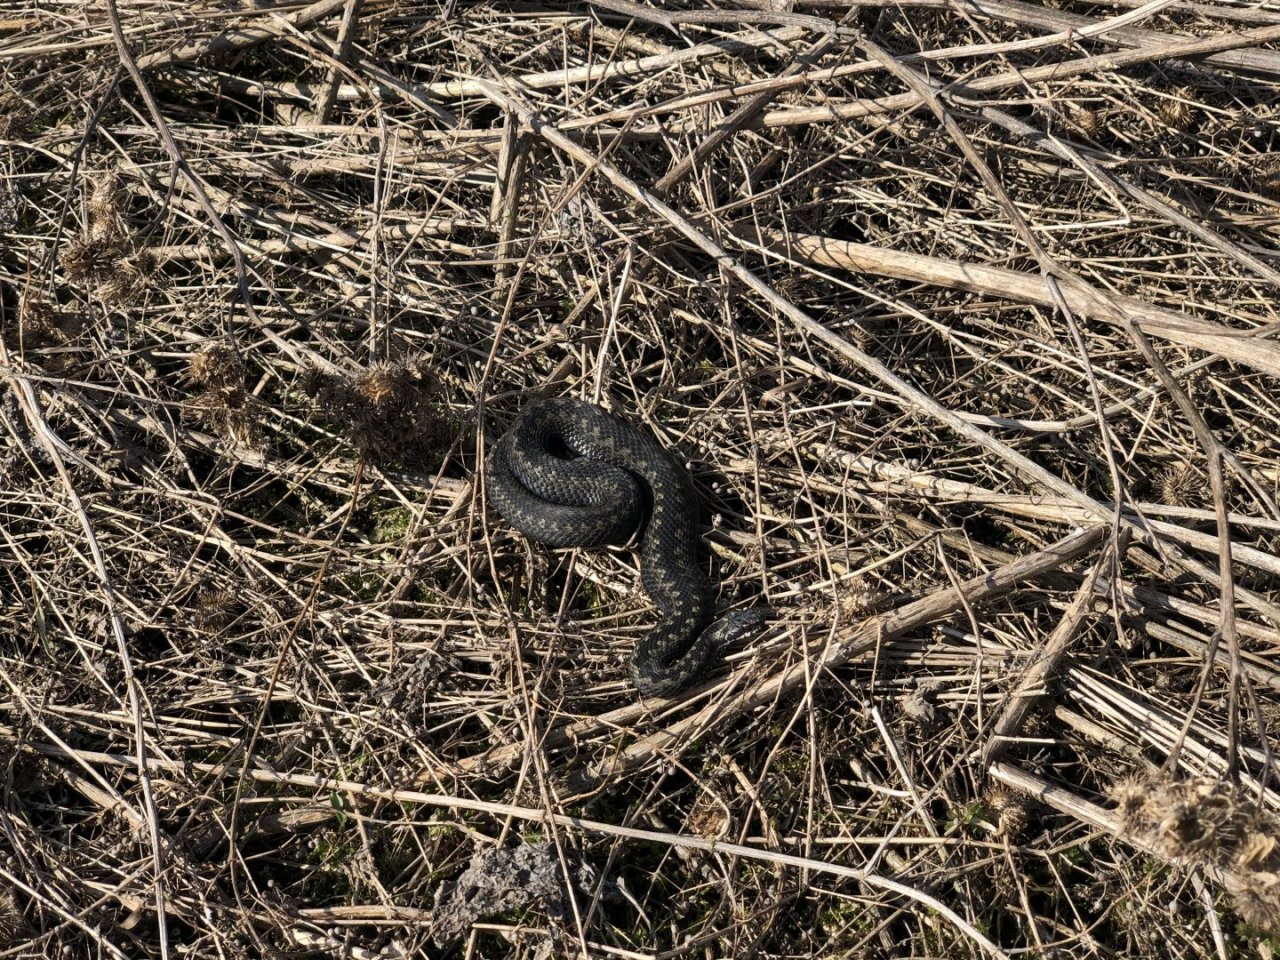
column 569, row 474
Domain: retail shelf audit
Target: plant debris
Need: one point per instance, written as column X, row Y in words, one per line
column 962, row 317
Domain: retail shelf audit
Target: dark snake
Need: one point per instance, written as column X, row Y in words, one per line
column 568, row 474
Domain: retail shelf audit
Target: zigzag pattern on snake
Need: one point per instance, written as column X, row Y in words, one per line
column 568, row 474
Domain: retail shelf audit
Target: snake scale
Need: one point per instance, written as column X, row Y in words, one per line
column 568, row 474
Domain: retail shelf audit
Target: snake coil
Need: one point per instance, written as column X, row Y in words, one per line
column 568, row 474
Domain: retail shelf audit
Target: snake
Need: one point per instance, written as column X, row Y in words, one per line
column 569, row 474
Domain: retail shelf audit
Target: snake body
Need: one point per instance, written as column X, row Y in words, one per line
column 568, row 474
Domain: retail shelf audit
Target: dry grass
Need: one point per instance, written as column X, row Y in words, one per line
column 962, row 312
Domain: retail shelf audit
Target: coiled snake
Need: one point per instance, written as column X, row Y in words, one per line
column 568, row 474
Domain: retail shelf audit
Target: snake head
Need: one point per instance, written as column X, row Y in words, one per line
column 737, row 625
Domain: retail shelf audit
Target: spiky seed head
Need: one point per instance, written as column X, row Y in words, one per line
column 1090, row 121
column 1010, row 808
column 130, row 277
column 380, row 384
column 1175, row 112
column 314, row 380
column 214, row 608
column 216, row 364
column 104, row 199
column 90, row 259
column 1267, row 178
column 1257, row 851
column 1256, row 897
column 229, row 412
column 1177, row 485
column 392, row 411
column 1132, row 795
column 11, row 925
column 1185, row 832
column 856, row 599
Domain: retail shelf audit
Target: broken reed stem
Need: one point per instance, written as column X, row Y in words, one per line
column 1115, row 310
column 1044, row 664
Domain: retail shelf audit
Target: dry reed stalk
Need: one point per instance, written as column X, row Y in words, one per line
column 917, row 289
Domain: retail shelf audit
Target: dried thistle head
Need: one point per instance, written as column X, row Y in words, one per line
column 381, row 384
column 92, row 259
column 1192, row 820
column 1010, row 808
column 103, row 256
column 393, row 412
column 1089, row 120
column 11, row 923
column 1175, row 112
column 1267, row 178
column 1132, row 796
column 215, row 607
column 217, row 364
column 1257, row 851
column 132, row 274
column 314, row 381
column 1184, row 831
column 1221, row 809
column 104, row 203
column 1252, row 876
column 1255, row 895
column 856, row 599
column 1212, row 823
column 230, row 412
column 1178, row 485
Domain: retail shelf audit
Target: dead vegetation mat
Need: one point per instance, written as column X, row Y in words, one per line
column 963, row 314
